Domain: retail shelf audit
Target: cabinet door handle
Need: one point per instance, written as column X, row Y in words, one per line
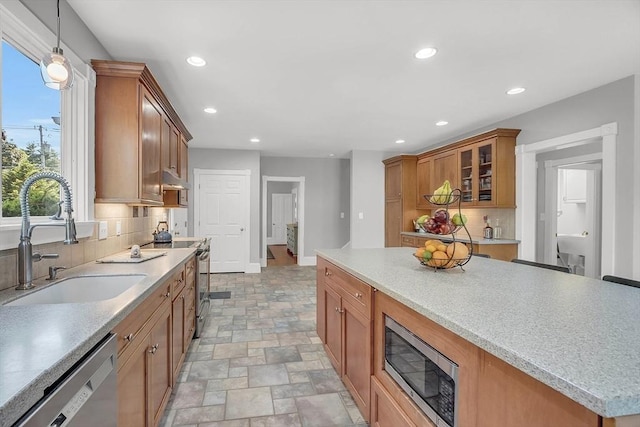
column 182, row 296
column 154, row 348
column 339, row 310
column 358, row 295
column 128, row 337
column 168, row 294
column 327, row 272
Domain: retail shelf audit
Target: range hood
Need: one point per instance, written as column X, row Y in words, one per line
column 173, row 182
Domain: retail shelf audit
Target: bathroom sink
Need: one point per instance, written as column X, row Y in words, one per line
column 81, row 289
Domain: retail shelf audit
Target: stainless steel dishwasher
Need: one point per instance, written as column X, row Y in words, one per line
column 87, row 396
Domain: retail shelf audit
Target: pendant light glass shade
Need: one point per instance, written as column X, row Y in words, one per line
column 56, row 70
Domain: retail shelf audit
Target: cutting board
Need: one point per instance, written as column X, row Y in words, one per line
column 125, row 257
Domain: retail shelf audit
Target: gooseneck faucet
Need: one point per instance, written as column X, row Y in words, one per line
column 25, row 255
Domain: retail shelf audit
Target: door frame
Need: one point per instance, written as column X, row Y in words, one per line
column 246, row 238
column 302, row 260
column 551, row 169
column 527, row 189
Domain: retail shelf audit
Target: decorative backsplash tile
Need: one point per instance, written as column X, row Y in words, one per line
column 133, row 231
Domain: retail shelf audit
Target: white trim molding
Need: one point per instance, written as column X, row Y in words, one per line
column 526, row 189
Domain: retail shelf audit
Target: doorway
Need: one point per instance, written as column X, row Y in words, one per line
column 527, row 189
column 281, row 215
column 297, row 209
column 221, row 212
column 573, row 205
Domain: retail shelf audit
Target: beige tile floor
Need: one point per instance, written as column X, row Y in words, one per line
column 259, row 361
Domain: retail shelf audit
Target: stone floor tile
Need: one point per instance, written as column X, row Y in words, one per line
column 198, row 415
column 293, row 338
column 284, row 406
column 247, row 335
column 310, row 365
column 229, row 350
column 188, row 394
column 247, row 361
column 248, row 403
column 255, row 352
column 204, row 370
column 229, row 423
column 238, row 372
column 264, row 344
column 285, row 420
column 322, row 410
column 282, row 354
column 299, row 377
column 292, row 390
column 267, row 375
column 326, row 381
column 214, row 398
column 227, row 384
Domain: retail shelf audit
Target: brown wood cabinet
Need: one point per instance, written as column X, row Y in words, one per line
column 152, row 344
column 344, row 325
column 400, row 197
column 423, row 185
column 444, row 167
column 385, row 412
column 138, row 134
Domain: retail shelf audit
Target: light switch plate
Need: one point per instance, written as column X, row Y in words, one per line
column 118, row 228
column 360, row 215
column 341, row 214
column 103, row 230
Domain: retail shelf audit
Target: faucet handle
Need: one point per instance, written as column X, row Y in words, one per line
column 53, row 271
column 58, row 215
column 39, row 257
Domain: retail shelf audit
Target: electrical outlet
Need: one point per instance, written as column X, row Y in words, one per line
column 360, row 215
column 341, row 214
column 118, row 228
column 103, row 230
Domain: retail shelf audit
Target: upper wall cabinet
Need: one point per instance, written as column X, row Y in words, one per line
column 138, row 136
column 482, row 167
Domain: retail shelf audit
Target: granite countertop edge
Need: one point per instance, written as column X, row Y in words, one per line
column 461, row 238
column 16, row 405
column 607, row 406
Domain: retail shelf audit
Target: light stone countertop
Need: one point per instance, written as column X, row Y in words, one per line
column 462, row 237
column 575, row 334
column 39, row 343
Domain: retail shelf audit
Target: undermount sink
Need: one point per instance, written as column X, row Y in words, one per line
column 81, row 289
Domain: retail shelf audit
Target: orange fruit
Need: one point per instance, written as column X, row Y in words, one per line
column 457, row 250
column 420, row 252
column 442, row 248
column 432, row 242
column 431, row 248
column 438, row 259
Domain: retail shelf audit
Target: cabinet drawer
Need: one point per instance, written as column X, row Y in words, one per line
column 190, row 270
column 409, row 241
column 177, row 283
column 135, row 326
column 350, row 288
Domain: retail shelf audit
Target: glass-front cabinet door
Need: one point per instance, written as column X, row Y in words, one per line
column 476, row 174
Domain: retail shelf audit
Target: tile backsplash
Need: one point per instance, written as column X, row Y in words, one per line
column 134, row 231
column 505, row 217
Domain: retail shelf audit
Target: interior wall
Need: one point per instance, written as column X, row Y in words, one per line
column 367, row 196
column 201, row 158
column 326, row 193
column 275, row 187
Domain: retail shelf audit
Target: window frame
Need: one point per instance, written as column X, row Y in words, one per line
column 23, row 30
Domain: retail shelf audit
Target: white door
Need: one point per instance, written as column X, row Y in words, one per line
column 281, row 215
column 221, row 212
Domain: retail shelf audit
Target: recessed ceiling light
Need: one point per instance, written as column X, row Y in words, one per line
column 442, row 123
column 210, row 110
column 196, row 61
column 331, row 155
column 254, row 140
column 426, row 53
column 400, row 141
column 515, row 91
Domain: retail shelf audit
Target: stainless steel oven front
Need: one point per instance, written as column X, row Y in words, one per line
column 427, row 376
column 203, row 284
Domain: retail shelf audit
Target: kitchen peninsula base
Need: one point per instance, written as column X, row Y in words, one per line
column 491, row 390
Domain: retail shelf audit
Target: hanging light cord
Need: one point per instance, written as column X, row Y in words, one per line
column 58, row 33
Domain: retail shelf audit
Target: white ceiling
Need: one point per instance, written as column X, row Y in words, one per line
column 311, row 78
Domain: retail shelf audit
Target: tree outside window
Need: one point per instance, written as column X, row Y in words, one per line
column 30, row 134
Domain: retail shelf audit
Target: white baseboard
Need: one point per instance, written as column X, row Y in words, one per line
column 347, row 245
column 308, row 260
column 253, row 267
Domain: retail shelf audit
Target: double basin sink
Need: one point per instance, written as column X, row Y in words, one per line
column 79, row 289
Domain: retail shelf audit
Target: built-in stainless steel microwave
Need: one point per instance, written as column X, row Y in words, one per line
column 427, row 376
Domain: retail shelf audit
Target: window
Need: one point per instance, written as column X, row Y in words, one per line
column 30, row 134
column 26, row 38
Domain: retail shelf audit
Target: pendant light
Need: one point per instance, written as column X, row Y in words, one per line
column 56, row 70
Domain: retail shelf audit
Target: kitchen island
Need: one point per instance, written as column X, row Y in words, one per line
column 576, row 335
column 39, row 343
